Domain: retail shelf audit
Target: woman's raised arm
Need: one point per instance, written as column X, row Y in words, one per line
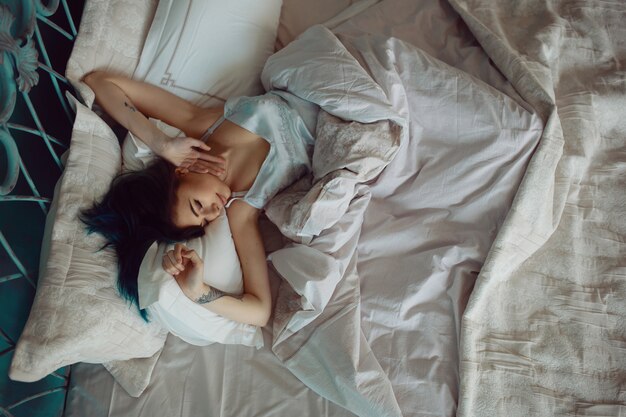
column 130, row 102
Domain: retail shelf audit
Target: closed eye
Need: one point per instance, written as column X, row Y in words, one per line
column 192, row 209
column 195, row 213
column 205, row 222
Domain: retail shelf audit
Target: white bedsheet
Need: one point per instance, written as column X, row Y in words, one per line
column 412, row 243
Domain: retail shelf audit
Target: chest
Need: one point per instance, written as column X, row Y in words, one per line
column 245, row 153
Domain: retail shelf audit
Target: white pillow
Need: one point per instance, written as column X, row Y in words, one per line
column 160, row 294
column 206, row 49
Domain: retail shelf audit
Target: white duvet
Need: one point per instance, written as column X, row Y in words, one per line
column 467, row 138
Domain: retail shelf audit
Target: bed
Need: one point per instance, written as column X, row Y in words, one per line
column 479, row 271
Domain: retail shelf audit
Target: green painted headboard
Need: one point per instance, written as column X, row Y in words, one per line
column 35, row 127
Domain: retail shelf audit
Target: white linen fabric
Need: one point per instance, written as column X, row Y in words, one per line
column 202, row 50
column 296, row 16
column 488, row 126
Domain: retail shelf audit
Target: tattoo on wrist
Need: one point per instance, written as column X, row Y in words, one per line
column 213, row 294
column 130, row 107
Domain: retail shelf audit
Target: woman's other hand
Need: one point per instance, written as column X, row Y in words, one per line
column 191, row 155
column 187, row 268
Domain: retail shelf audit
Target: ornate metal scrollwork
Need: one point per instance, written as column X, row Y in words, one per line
column 18, row 56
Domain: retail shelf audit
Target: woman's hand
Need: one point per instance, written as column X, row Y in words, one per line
column 189, row 154
column 187, row 268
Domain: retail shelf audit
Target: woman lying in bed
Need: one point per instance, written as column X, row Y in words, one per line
column 237, row 170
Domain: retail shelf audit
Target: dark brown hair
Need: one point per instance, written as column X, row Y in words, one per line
column 134, row 213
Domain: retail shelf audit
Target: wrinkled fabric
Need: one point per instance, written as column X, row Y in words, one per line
column 470, row 143
column 378, row 294
column 545, row 328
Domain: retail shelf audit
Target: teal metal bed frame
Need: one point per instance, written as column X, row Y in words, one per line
column 36, row 121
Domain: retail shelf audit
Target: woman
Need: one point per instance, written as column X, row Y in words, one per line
column 254, row 147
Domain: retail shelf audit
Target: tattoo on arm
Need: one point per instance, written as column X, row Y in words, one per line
column 130, row 107
column 213, row 294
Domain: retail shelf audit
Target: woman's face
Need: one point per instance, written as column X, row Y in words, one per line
column 200, row 199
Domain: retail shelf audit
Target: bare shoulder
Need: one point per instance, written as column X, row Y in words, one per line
column 240, row 212
column 202, row 119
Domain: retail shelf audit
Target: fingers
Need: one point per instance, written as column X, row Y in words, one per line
column 199, row 144
column 178, row 250
column 211, row 158
column 199, row 169
column 197, row 159
column 203, row 167
column 175, row 260
column 192, row 256
column 168, row 266
column 184, row 166
column 178, row 265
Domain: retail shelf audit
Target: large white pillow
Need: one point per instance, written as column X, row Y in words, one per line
column 76, row 287
column 201, row 50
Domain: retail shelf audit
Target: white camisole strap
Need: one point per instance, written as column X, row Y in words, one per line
column 237, row 195
column 212, row 129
